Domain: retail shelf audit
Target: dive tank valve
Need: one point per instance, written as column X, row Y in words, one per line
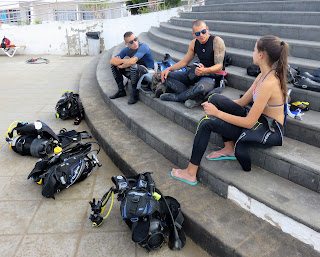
column 94, row 157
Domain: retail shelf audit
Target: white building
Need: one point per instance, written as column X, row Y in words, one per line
column 39, row 11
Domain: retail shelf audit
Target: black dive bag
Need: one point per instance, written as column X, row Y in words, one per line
column 62, row 170
column 69, row 105
column 151, row 216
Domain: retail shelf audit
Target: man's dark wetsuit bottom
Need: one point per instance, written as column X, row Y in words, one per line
column 133, row 73
column 259, row 134
column 178, row 83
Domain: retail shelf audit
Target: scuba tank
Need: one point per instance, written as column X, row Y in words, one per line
column 38, row 139
column 35, row 139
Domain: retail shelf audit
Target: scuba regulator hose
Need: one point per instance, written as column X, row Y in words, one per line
column 11, row 127
column 98, row 209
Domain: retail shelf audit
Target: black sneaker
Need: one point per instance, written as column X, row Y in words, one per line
column 169, row 97
column 133, row 99
column 120, row 93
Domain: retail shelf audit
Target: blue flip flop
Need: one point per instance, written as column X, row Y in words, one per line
column 221, row 158
column 183, row 180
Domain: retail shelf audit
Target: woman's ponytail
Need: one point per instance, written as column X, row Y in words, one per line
column 278, row 52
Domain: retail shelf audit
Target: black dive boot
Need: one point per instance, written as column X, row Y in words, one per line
column 120, row 93
column 133, row 99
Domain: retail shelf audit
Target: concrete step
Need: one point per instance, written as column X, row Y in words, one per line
column 221, row 227
column 307, row 131
column 298, row 48
column 240, row 57
column 175, row 143
column 237, row 76
column 284, row 6
column 291, row 31
column 304, row 18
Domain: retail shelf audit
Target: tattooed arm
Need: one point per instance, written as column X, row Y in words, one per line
column 219, row 51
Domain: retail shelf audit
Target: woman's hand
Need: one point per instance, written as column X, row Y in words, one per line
column 164, row 75
column 210, row 109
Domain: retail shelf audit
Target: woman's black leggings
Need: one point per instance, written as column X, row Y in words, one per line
column 261, row 132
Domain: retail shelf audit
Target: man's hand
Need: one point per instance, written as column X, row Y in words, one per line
column 210, row 109
column 116, row 61
column 125, row 64
column 164, row 75
column 200, row 71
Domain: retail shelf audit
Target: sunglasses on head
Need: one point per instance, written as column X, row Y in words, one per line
column 202, row 31
column 134, row 40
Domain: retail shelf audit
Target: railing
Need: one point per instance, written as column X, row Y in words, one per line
column 40, row 11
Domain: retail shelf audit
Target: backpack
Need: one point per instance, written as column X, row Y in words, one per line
column 70, row 105
column 166, row 63
column 253, row 70
column 5, row 42
column 227, row 60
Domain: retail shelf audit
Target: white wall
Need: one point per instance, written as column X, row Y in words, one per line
column 69, row 38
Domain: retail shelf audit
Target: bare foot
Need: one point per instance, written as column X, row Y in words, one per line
column 184, row 174
column 219, row 154
column 226, row 151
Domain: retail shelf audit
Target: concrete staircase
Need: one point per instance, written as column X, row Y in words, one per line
column 283, row 187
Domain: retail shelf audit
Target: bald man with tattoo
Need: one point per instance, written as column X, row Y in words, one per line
column 200, row 79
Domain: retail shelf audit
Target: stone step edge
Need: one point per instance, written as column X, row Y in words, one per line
column 261, row 2
column 145, row 135
column 308, row 43
column 223, row 186
column 237, row 52
column 244, row 23
column 176, row 55
column 207, row 238
column 309, row 174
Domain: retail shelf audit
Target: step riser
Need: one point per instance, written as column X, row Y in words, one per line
column 260, row 157
column 301, row 6
column 237, row 59
column 293, row 130
column 177, row 156
column 178, row 152
column 300, row 51
column 244, row 83
column 284, row 18
column 210, row 2
column 257, row 29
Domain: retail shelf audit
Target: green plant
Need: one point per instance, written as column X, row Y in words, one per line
column 145, row 9
column 167, row 5
column 27, row 22
column 98, row 9
column 37, row 21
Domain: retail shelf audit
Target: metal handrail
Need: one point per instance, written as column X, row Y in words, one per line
column 67, row 4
